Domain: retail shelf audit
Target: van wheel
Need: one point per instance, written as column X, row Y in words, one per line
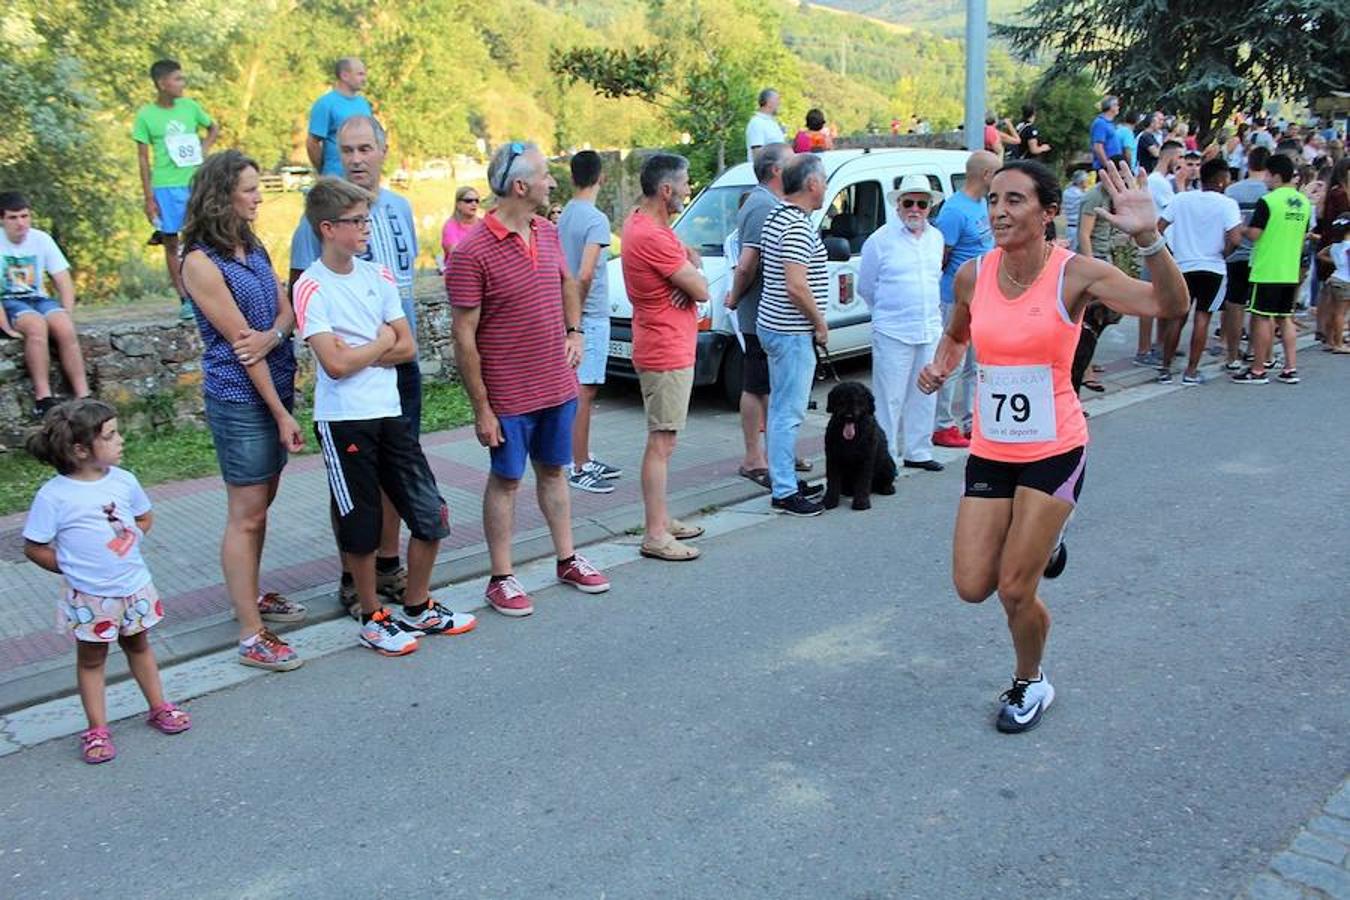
column 730, row 379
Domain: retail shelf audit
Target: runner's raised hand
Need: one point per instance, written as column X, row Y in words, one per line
column 1132, row 209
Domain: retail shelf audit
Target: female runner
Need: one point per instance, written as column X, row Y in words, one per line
column 1022, row 306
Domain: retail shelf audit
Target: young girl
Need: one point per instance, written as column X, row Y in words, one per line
column 86, row 524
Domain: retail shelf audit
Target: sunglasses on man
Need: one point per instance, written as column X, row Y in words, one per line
column 910, row 204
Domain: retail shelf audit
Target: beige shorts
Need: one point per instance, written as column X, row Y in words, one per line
column 1338, row 290
column 665, row 396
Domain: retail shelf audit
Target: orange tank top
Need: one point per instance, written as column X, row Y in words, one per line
column 1025, row 406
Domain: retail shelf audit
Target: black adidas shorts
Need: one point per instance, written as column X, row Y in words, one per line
column 367, row 455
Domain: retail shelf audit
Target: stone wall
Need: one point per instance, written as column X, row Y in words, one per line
column 151, row 368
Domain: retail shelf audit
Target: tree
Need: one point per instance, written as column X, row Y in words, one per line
column 1205, row 61
column 699, row 76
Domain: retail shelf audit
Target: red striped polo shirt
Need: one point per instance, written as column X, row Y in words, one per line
column 521, row 333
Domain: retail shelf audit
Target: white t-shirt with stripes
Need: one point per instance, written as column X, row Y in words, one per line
column 789, row 237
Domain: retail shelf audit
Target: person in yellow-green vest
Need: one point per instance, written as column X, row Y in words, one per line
column 1278, row 228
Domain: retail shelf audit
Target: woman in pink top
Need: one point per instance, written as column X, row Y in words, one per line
column 1022, row 305
column 462, row 221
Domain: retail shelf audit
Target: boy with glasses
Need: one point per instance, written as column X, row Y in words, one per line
column 348, row 311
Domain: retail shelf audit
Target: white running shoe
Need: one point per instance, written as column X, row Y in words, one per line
column 383, row 635
column 436, row 619
column 1023, row 704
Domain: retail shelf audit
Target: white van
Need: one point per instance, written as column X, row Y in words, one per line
column 855, row 207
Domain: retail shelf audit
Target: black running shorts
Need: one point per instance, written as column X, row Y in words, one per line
column 1059, row 476
column 366, row 456
column 1239, row 291
column 1273, row 300
column 1205, row 290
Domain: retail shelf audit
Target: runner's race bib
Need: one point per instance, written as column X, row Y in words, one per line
column 184, row 149
column 1017, row 403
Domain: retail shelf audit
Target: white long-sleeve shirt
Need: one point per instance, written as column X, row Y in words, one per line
column 899, row 281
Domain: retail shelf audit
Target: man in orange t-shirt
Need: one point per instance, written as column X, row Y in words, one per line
column 665, row 285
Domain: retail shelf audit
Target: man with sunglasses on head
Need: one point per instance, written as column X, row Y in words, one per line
column 518, row 341
column 966, row 234
column 393, row 244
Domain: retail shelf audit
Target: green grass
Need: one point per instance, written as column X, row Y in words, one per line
column 176, row 454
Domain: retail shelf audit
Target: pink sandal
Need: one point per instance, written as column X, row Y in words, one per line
column 96, row 746
column 168, row 719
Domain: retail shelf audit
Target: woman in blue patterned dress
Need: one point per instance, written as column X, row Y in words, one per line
column 248, row 367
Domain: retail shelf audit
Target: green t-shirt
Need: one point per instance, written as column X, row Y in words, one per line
column 175, row 146
column 1283, row 216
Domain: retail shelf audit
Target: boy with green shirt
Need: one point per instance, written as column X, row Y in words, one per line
column 170, row 127
column 1278, row 229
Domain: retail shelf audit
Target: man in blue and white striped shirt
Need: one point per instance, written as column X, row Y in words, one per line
column 792, row 316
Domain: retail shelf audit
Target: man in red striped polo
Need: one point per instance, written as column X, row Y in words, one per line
column 518, row 340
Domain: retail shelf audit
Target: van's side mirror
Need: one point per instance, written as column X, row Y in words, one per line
column 837, row 249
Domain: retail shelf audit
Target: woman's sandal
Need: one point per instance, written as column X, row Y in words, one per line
column 96, row 746
column 168, row 719
column 1093, row 385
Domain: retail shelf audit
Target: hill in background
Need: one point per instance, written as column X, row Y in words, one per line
column 946, row 17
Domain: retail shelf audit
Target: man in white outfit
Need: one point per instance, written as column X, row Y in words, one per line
column 899, row 280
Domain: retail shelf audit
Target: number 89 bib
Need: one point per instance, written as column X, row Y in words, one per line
column 1017, row 403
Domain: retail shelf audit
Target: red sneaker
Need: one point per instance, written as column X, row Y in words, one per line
column 583, row 576
column 950, row 437
column 509, row 598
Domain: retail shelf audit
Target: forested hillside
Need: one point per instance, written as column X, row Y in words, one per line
column 941, row 16
column 444, row 75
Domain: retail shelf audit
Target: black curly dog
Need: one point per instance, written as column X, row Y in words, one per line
column 857, row 461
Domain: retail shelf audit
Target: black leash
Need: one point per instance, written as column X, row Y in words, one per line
column 825, row 370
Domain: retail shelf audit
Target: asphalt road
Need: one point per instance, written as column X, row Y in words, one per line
column 805, row 712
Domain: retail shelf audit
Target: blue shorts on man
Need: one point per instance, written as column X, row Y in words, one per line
column 543, row 437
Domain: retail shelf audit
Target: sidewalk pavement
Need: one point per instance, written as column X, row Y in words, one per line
column 299, row 560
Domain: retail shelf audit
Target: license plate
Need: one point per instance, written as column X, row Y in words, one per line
column 621, row 349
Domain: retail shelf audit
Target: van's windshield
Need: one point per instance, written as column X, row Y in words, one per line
column 707, row 221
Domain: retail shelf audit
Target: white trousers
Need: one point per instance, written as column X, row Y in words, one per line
column 900, row 403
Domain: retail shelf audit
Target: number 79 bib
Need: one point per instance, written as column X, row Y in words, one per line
column 1017, row 403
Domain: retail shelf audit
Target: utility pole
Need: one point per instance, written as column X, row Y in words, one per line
column 977, row 47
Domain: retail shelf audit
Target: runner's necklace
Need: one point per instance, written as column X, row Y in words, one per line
column 1003, row 267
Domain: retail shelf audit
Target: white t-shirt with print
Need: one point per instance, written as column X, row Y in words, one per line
column 23, row 266
column 352, row 307
column 1200, row 221
column 93, row 523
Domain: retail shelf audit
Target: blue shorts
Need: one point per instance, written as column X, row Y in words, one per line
column 172, row 208
column 544, row 436
column 594, row 349
column 248, row 446
column 21, row 306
